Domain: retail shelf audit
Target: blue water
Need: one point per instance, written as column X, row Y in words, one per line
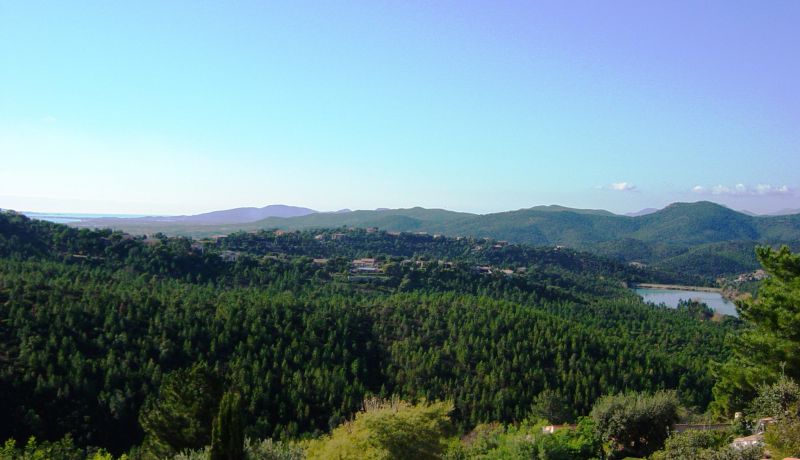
column 671, row 297
column 66, row 218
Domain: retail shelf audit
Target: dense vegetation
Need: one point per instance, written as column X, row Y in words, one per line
column 770, row 346
column 103, row 336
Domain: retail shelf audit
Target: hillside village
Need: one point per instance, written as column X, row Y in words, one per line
column 371, row 268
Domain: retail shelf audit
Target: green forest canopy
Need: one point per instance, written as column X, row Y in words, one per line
column 91, row 322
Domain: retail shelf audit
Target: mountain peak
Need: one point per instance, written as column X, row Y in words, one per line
column 698, row 206
column 642, row 212
column 559, row 208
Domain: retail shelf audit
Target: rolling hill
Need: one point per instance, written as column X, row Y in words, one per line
column 680, row 236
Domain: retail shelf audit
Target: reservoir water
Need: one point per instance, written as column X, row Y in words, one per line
column 671, row 297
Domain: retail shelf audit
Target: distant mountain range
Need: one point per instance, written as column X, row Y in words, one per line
column 248, row 215
column 228, row 216
column 784, row 212
column 643, row 212
column 702, row 236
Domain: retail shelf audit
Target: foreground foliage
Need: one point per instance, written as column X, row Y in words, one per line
column 63, row 449
column 386, row 430
column 635, row 424
column 527, row 440
column 705, row 445
column 781, row 402
column 770, row 346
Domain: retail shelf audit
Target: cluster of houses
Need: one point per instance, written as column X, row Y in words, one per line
column 757, row 275
column 365, row 269
column 491, row 244
column 370, row 230
column 488, row 270
column 755, row 439
column 365, row 266
column 371, row 266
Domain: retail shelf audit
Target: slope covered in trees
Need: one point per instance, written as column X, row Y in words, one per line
column 675, row 238
column 94, row 323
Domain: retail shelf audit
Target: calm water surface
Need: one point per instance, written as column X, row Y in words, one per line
column 671, row 297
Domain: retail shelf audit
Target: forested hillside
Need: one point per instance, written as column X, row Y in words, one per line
column 93, row 322
column 704, row 239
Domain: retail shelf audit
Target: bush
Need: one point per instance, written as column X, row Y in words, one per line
column 635, row 424
column 389, row 430
column 783, row 437
column 63, row 449
column 270, row 450
column 253, row 450
column 700, row 445
column 705, row 445
column 495, row 441
column 779, row 399
column 527, row 441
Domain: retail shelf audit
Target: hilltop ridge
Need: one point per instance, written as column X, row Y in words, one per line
column 707, row 238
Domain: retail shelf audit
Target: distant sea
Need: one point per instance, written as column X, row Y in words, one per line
column 66, row 218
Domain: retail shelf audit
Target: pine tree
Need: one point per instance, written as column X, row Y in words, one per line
column 227, row 438
column 770, row 346
column 180, row 417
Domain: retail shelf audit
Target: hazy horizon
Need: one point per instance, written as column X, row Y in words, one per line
column 184, row 107
column 83, row 214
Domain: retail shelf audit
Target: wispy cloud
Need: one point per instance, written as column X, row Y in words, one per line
column 620, row 187
column 743, row 190
column 49, row 119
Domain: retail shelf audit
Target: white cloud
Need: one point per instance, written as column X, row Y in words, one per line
column 49, row 119
column 621, row 187
column 743, row 190
column 766, row 189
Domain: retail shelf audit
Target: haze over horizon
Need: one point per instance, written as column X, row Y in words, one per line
column 183, row 108
column 74, row 216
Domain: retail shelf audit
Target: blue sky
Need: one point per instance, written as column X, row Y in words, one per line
column 184, row 107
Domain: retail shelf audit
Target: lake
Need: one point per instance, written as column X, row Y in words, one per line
column 671, row 297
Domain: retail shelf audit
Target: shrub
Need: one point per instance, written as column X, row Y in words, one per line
column 635, row 424
column 389, row 430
